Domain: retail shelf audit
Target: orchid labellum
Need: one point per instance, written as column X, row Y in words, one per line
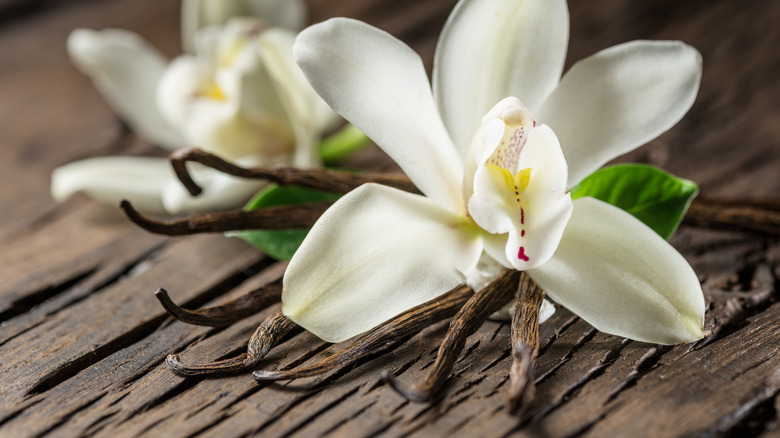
column 239, row 94
column 494, row 171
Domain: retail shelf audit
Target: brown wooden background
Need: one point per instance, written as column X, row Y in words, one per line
column 82, row 340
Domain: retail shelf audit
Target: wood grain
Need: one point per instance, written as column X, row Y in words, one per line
column 83, row 341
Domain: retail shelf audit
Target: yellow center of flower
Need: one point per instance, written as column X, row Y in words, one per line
column 212, row 91
column 517, row 182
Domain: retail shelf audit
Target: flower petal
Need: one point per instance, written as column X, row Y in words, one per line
column 492, row 49
column 289, row 14
column 196, row 14
column 219, row 123
column 534, row 216
column 619, row 99
column 126, row 70
column 308, row 114
column 150, row 185
column 111, row 179
column 375, row 253
column 379, row 84
column 624, row 279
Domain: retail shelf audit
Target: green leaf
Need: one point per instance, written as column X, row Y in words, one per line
column 280, row 244
column 341, row 144
column 656, row 197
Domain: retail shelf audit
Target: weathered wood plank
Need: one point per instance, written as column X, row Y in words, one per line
column 112, row 317
column 88, row 359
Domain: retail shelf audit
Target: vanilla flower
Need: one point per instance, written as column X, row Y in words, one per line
column 240, row 95
column 379, row 251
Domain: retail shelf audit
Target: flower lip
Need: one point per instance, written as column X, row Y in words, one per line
column 518, row 185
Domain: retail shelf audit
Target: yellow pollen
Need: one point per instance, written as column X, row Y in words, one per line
column 212, row 91
column 522, row 178
column 517, row 183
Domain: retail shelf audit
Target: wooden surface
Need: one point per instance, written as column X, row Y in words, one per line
column 82, row 340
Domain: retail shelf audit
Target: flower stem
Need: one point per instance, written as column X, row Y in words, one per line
column 343, row 143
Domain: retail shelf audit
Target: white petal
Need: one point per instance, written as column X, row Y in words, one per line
column 126, row 70
column 219, row 124
column 289, row 14
column 619, row 99
column 220, row 191
column 111, row 179
column 375, row 253
column 533, row 217
column 379, row 84
column 546, row 310
column 196, row 14
column 624, row 279
column 492, row 49
column 498, row 140
column 308, row 114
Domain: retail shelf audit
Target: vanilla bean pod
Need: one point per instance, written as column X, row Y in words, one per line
column 756, row 216
column 760, row 216
column 267, row 335
column 269, row 218
column 382, row 338
column 525, row 344
column 322, row 179
column 476, row 310
column 224, row 314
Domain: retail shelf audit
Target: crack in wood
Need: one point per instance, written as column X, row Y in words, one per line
column 8, row 416
column 70, row 369
column 583, row 430
column 69, row 293
column 468, row 351
column 504, row 355
column 132, row 336
column 356, row 414
column 587, row 336
column 753, row 415
column 308, row 418
column 66, row 416
column 32, row 299
column 97, row 425
column 593, row 373
column 641, row 367
column 546, row 341
column 729, row 311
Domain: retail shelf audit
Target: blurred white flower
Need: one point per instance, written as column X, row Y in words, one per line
column 240, row 95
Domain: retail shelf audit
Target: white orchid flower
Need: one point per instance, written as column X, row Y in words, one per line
column 240, row 96
column 379, row 251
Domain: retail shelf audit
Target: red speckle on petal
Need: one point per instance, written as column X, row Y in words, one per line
column 522, row 233
column 521, row 254
column 522, row 216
